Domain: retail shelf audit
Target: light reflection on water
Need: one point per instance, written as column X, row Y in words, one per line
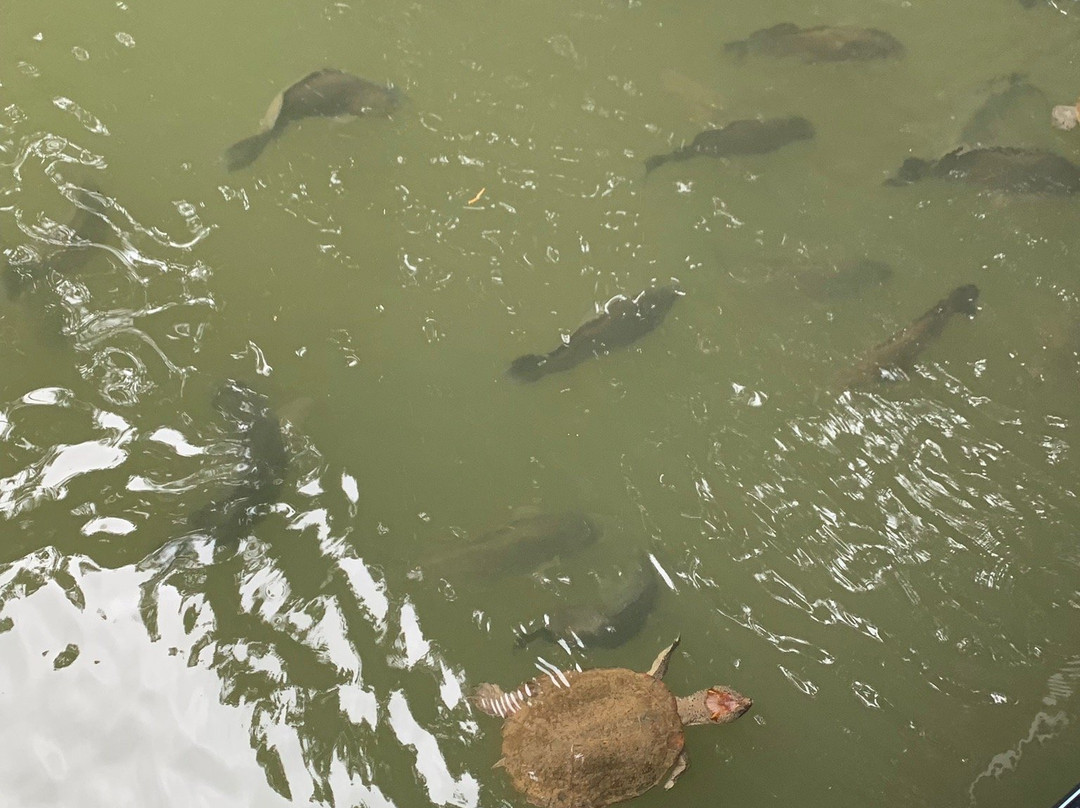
column 890, row 574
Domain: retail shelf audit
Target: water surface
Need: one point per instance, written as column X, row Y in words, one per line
column 890, row 573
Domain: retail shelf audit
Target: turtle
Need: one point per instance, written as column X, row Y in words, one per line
column 585, row 739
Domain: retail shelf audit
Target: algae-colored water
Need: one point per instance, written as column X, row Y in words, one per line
column 891, row 572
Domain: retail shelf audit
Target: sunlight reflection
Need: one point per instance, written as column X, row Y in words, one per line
column 442, row 787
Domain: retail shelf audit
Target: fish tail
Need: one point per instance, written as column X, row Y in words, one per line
column 14, row 282
column 739, row 49
column 655, row 161
column 242, row 154
column 963, row 300
column 396, row 95
column 526, row 636
column 911, row 171
column 799, row 128
column 527, row 368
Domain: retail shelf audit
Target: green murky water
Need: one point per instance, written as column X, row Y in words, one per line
column 890, row 573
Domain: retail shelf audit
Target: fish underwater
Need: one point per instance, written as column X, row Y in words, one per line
column 326, row 93
column 79, row 240
column 997, row 168
column 702, row 103
column 893, row 359
column 821, row 43
column 618, row 616
column 750, row 136
column 521, row 545
column 262, row 473
column 845, row 279
column 623, row 321
column 1014, row 107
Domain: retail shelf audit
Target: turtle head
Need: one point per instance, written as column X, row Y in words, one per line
column 718, row 704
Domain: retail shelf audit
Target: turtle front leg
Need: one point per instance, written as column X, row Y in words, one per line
column 489, row 698
column 681, row 762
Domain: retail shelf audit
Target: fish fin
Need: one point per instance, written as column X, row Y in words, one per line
column 315, row 74
column 499, row 764
column 781, row 29
column 396, row 95
column 242, row 154
column 527, row 368
column 273, row 112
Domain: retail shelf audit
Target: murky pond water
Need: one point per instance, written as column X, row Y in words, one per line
column 270, row 592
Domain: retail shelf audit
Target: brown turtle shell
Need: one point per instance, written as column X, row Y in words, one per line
column 608, row 735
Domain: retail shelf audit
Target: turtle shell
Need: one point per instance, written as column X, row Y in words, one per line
column 607, row 735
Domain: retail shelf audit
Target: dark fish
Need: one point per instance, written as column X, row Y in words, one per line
column 1011, row 104
column 624, row 321
column 846, row 279
column 822, row 43
column 84, row 232
column 739, row 137
column 521, row 545
column 892, row 359
column 325, row 93
column 262, row 473
column 998, row 168
column 608, row 624
column 250, row 415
